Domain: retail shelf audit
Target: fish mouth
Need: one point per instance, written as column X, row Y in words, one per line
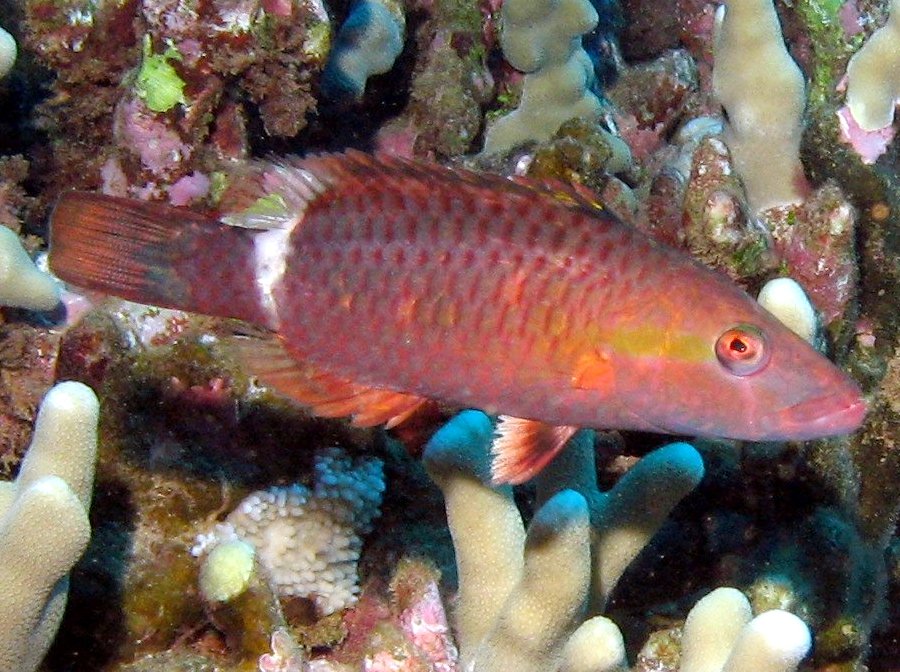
column 819, row 417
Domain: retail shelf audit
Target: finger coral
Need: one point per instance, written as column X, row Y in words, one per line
column 720, row 635
column 308, row 540
column 543, row 39
column 523, row 596
column 44, row 524
column 763, row 92
column 873, row 76
column 7, row 52
column 21, row 283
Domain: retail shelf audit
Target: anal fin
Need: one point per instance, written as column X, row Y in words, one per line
column 523, row 447
column 329, row 396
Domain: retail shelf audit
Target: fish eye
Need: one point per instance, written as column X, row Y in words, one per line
column 743, row 350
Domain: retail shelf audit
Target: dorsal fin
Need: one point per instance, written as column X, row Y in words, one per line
column 266, row 357
column 270, row 194
column 571, row 194
column 276, row 194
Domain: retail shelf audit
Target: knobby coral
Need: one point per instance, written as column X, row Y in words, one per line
column 308, row 540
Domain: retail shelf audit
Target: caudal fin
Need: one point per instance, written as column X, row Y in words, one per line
column 155, row 254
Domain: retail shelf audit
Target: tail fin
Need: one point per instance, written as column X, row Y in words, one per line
column 155, row 254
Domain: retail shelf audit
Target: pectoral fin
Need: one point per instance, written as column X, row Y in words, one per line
column 523, row 447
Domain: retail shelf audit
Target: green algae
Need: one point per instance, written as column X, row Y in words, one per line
column 158, row 83
column 318, row 41
column 839, row 641
column 752, row 258
column 832, row 48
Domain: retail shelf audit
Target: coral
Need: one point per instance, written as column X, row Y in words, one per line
column 309, row 540
column 785, row 299
column 581, row 151
column 425, row 624
column 873, row 76
column 176, row 82
column 44, row 526
column 762, row 90
column 815, row 244
column 28, row 357
column 226, row 570
column 543, row 39
column 8, row 51
column 715, row 228
column 286, row 655
column 522, row 596
column 650, row 100
column 719, row 635
column 188, row 435
column 450, row 83
column 367, row 44
column 240, row 600
column 21, row 283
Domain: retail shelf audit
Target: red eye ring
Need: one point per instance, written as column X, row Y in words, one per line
column 743, row 350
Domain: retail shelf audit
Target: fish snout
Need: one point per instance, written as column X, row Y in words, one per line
column 832, row 414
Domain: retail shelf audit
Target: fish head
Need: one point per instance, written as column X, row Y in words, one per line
column 733, row 370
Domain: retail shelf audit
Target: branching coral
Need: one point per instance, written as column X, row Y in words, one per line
column 543, row 38
column 21, row 284
column 44, row 526
column 762, row 90
column 873, row 76
column 523, row 598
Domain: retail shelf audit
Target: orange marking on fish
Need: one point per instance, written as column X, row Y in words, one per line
column 594, row 371
column 407, row 309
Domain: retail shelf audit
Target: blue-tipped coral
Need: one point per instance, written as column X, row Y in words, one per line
column 367, row 44
column 44, row 525
column 522, row 596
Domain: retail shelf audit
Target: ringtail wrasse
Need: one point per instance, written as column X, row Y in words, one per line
column 387, row 282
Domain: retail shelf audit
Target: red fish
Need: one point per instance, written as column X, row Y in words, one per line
column 389, row 282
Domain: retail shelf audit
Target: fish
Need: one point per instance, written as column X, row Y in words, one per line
column 383, row 283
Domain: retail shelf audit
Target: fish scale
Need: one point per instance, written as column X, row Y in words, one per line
column 515, row 287
column 388, row 282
